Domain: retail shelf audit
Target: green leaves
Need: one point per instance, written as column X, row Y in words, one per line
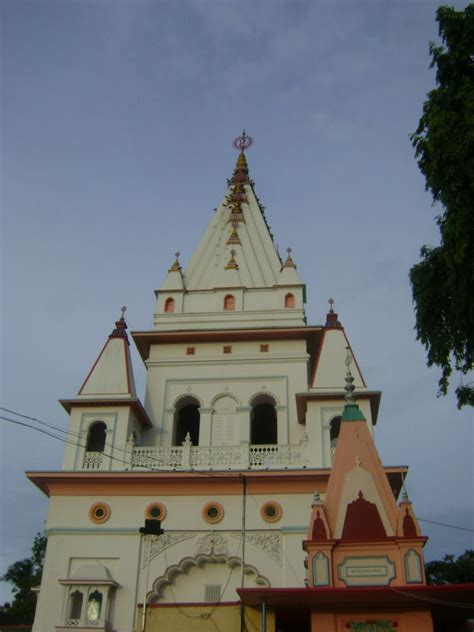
column 451, row 570
column 24, row 575
column 443, row 281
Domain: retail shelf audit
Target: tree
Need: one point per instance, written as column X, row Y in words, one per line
column 451, row 570
column 443, row 281
column 24, row 575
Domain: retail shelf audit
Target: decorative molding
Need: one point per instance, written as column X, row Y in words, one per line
column 264, row 393
column 212, row 544
column 267, row 541
column 187, row 563
column 99, row 512
column 187, row 395
column 226, row 393
column 164, row 541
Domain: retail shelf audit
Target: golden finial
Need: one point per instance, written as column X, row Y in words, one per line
column 234, row 236
column 289, row 263
column 232, row 263
column 176, row 267
column 241, row 171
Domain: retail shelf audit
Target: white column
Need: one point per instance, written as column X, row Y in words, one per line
column 205, row 416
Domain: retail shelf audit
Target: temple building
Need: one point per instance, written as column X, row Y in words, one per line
column 253, row 449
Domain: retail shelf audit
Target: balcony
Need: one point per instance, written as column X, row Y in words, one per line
column 238, row 457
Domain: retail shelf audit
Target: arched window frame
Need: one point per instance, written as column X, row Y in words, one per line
column 98, row 597
column 263, row 399
column 96, row 436
column 290, row 301
column 76, row 602
column 178, row 434
column 229, row 302
column 170, row 305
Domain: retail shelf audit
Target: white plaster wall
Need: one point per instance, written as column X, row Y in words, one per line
column 280, row 372
column 74, row 539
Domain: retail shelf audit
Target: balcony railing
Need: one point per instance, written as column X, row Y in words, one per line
column 244, row 456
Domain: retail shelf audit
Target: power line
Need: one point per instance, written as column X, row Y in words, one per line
column 446, row 524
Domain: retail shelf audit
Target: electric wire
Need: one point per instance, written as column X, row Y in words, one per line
column 158, row 461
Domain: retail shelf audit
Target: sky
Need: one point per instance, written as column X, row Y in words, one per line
column 117, row 121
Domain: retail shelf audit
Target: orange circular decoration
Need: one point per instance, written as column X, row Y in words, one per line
column 271, row 511
column 155, row 511
column 99, row 512
column 213, row 512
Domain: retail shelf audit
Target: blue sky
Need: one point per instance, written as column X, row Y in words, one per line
column 117, row 122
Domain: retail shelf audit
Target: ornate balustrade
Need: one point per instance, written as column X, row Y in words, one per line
column 244, row 456
column 92, row 461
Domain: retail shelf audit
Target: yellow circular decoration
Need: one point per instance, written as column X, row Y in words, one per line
column 213, row 512
column 99, row 512
column 156, row 511
column 271, row 511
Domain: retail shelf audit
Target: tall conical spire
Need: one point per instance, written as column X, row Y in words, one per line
column 111, row 375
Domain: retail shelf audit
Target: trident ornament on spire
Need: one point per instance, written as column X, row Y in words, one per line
column 349, row 387
column 242, row 142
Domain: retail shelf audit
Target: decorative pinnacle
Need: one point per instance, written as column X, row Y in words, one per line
column 289, row 263
column 232, row 263
column 176, row 267
column 242, row 142
column 123, row 309
column 349, row 387
column 331, row 303
column 316, row 498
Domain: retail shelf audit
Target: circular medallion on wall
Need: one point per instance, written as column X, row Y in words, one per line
column 99, row 512
column 271, row 511
column 213, row 512
column 155, row 511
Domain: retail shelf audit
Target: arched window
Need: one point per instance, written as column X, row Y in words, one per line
column 263, row 421
column 75, row 606
column 94, row 606
column 229, row 302
column 96, row 437
column 187, row 419
column 289, row 301
column 334, row 429
column 169, row 305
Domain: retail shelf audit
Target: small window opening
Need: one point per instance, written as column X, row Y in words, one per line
column 227, row 349
column 169, row 305
column 289, row 301
column 334, row 430
column 229, row 302
column 96, row 437
column 264, row 348
column 94, row 606
column 263, row 421
column 212, row 592
column 75, row 609
column 190, row 350
column 187, row 420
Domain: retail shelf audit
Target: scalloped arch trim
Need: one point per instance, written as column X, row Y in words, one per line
column 265, row 397
column 187, row 396
column 200, row 560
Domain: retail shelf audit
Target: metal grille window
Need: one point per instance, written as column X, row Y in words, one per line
column 212, row 592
